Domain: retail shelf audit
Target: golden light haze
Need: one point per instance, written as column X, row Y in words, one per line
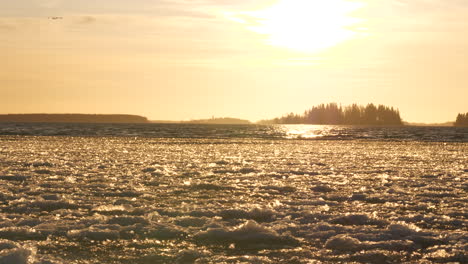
column 302, row 25
column 249, row 59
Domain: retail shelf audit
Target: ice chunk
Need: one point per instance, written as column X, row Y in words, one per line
column 247, row 170
column 20, row 233
column 357, row 219
column 20, row 178
column 377, row 257
column 262, row 214
column 188, row 256
column 52, row 205
column 29, row 222
column 246, row 235
column 164, row 231
column 337, row 197
column 234, row 214
column 43, row 171
column 402, row 229
column 149, row 169
column 257, row 214
column 322, row 188
column 392, row 245
column 128, row 220
column 358, row 197
column 210, row 187
column 425, row 241
column 200, row 213
column 15, row 256
column 42, row 164
column 191, row 221
column 114, row 209
column 7, row 244
column 94, row 233
column 279, row 189
column 343, row 243
column 51, row 197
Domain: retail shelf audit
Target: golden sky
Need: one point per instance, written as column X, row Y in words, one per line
column 187, row 59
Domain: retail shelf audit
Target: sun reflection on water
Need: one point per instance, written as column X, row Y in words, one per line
column 306, row 131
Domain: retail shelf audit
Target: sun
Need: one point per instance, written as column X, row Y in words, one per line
column 303, row 25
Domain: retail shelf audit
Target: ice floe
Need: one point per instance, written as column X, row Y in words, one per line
column 126, row 200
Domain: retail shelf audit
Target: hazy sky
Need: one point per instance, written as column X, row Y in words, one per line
column 252, row 59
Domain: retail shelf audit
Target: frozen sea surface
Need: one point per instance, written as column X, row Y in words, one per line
column 238, row 200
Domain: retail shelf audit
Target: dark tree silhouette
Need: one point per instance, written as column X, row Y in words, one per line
column 462, row 120
column 324, row 114
column 334, row 114
column 72, row 118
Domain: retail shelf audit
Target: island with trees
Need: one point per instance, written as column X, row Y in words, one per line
column 72, row 118
column 334, row 114
column 462, row 120
column 323, row 114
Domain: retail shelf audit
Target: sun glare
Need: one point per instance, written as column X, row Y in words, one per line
column 303, row 25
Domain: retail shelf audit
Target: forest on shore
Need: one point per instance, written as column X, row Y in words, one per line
column 72, row 118
column 323, row 114
column 334, row 114
column 462, row 120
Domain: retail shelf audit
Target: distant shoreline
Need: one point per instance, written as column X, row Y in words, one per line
column 445, row 124
column 137, row 119
column 110, row 118
column 72, row 118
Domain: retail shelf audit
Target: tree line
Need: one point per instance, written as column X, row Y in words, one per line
column 72, row 118
column 462, row 120
column 334, row 114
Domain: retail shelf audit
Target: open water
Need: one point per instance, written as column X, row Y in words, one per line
column 88, row 193
column 406, row 133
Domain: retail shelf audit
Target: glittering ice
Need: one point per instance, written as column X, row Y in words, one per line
column 142, row 200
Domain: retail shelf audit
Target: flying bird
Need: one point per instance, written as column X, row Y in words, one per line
column 55, row 17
